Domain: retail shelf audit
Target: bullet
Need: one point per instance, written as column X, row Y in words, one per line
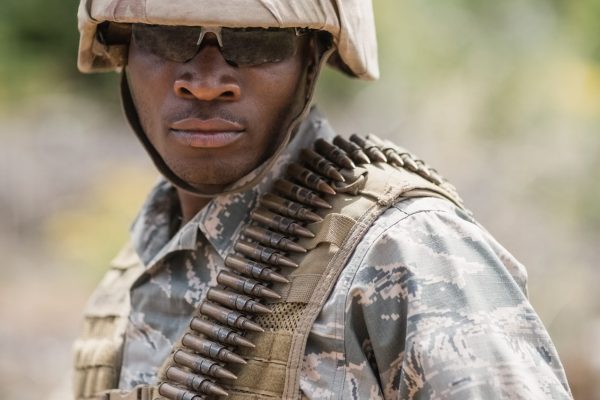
column 279, row 223
column 219, row 333
column 272, row 239
column 211, row 349
column 423, row 169
column 237, row 301
column 436, row 177
column 376, row 154
column 254, row 269
column 409, row 162
column 388, row 149
column 373, row 152
column 229, row 317
column 174, row 393
column 264, row 254
column 202, row 365
column 355, row 152
column 287, row 207
column 334, row 154
column 309, row 179
column 198, row 383
column 321, row 165
column 299, row 193
column 393, row 158
column 246, row 285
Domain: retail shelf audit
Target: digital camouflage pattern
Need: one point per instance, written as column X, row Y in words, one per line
column 429, row 306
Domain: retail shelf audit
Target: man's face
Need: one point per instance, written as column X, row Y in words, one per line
column 211, row 122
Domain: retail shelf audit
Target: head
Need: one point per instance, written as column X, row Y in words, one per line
column 212, row 121
column 206, row 105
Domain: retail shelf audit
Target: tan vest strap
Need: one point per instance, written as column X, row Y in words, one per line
column 97, row 353
column 301, row 289
column 326, row 284
column 142, row 392
column 333, row 229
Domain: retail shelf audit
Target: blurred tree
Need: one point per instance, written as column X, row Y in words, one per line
column 584, row 21
column 38, row 50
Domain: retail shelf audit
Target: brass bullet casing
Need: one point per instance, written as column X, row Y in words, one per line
column 373, row 152
column 237, row 301
column 300, row 193
column 288, row 208
column 246, row 285
column 409, row 162
column 309, row 179
column 321, row 165
column 264, row 254
column 202, row 365
column 280, row 223
column 334, row 154
column 272, row 239
column 195, row 382
column 422, row 169
column 389, row 152
column 436, row 177
column 254, row 270
column 174, row 393
column 393, row 158
column 211, row 349
column 219, row 333
column 229, row 317
column 355, row 151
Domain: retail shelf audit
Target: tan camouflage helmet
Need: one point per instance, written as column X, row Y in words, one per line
column 350, row 22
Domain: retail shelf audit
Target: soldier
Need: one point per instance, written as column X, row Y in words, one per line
column 276, row 260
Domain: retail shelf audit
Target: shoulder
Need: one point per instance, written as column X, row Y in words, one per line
column 429, row 239
column 446, row 304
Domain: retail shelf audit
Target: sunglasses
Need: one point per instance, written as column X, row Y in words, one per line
column 243, row 47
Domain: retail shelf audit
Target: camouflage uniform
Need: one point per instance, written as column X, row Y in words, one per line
column 429, row 306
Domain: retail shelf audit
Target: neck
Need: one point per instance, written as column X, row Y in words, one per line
column 191, row 204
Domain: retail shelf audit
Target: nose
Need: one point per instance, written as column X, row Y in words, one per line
column 207, row 77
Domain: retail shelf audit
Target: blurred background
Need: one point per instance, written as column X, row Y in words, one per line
column 503, row 97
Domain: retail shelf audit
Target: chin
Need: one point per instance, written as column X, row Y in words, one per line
column 213, row 173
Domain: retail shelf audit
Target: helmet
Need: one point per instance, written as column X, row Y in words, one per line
column 350, row 22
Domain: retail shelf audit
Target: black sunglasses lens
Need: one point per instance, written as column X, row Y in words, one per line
column 175, row 43
column 249, row 47
column 241, row 47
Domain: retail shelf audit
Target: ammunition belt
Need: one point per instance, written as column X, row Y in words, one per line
column 230, row 336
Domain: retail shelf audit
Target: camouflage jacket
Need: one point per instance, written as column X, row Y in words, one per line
column 429, row 305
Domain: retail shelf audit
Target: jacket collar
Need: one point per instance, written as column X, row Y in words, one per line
column 221, row 219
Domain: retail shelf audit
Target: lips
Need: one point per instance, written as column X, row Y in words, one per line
column 206, row 133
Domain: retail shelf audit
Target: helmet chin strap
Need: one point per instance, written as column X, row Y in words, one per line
column 167, row 172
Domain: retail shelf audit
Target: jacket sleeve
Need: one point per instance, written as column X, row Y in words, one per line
column 440, row 311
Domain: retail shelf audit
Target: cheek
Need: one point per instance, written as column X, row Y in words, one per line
column 276, row 87
column 148, row 82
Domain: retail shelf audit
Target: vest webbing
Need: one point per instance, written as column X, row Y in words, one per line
column 274, row 365
column 273, row 369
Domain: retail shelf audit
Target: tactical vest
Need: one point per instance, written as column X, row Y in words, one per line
column 248, row 337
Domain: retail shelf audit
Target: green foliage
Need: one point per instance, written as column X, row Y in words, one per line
column 584, row 21
column 38, row 50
